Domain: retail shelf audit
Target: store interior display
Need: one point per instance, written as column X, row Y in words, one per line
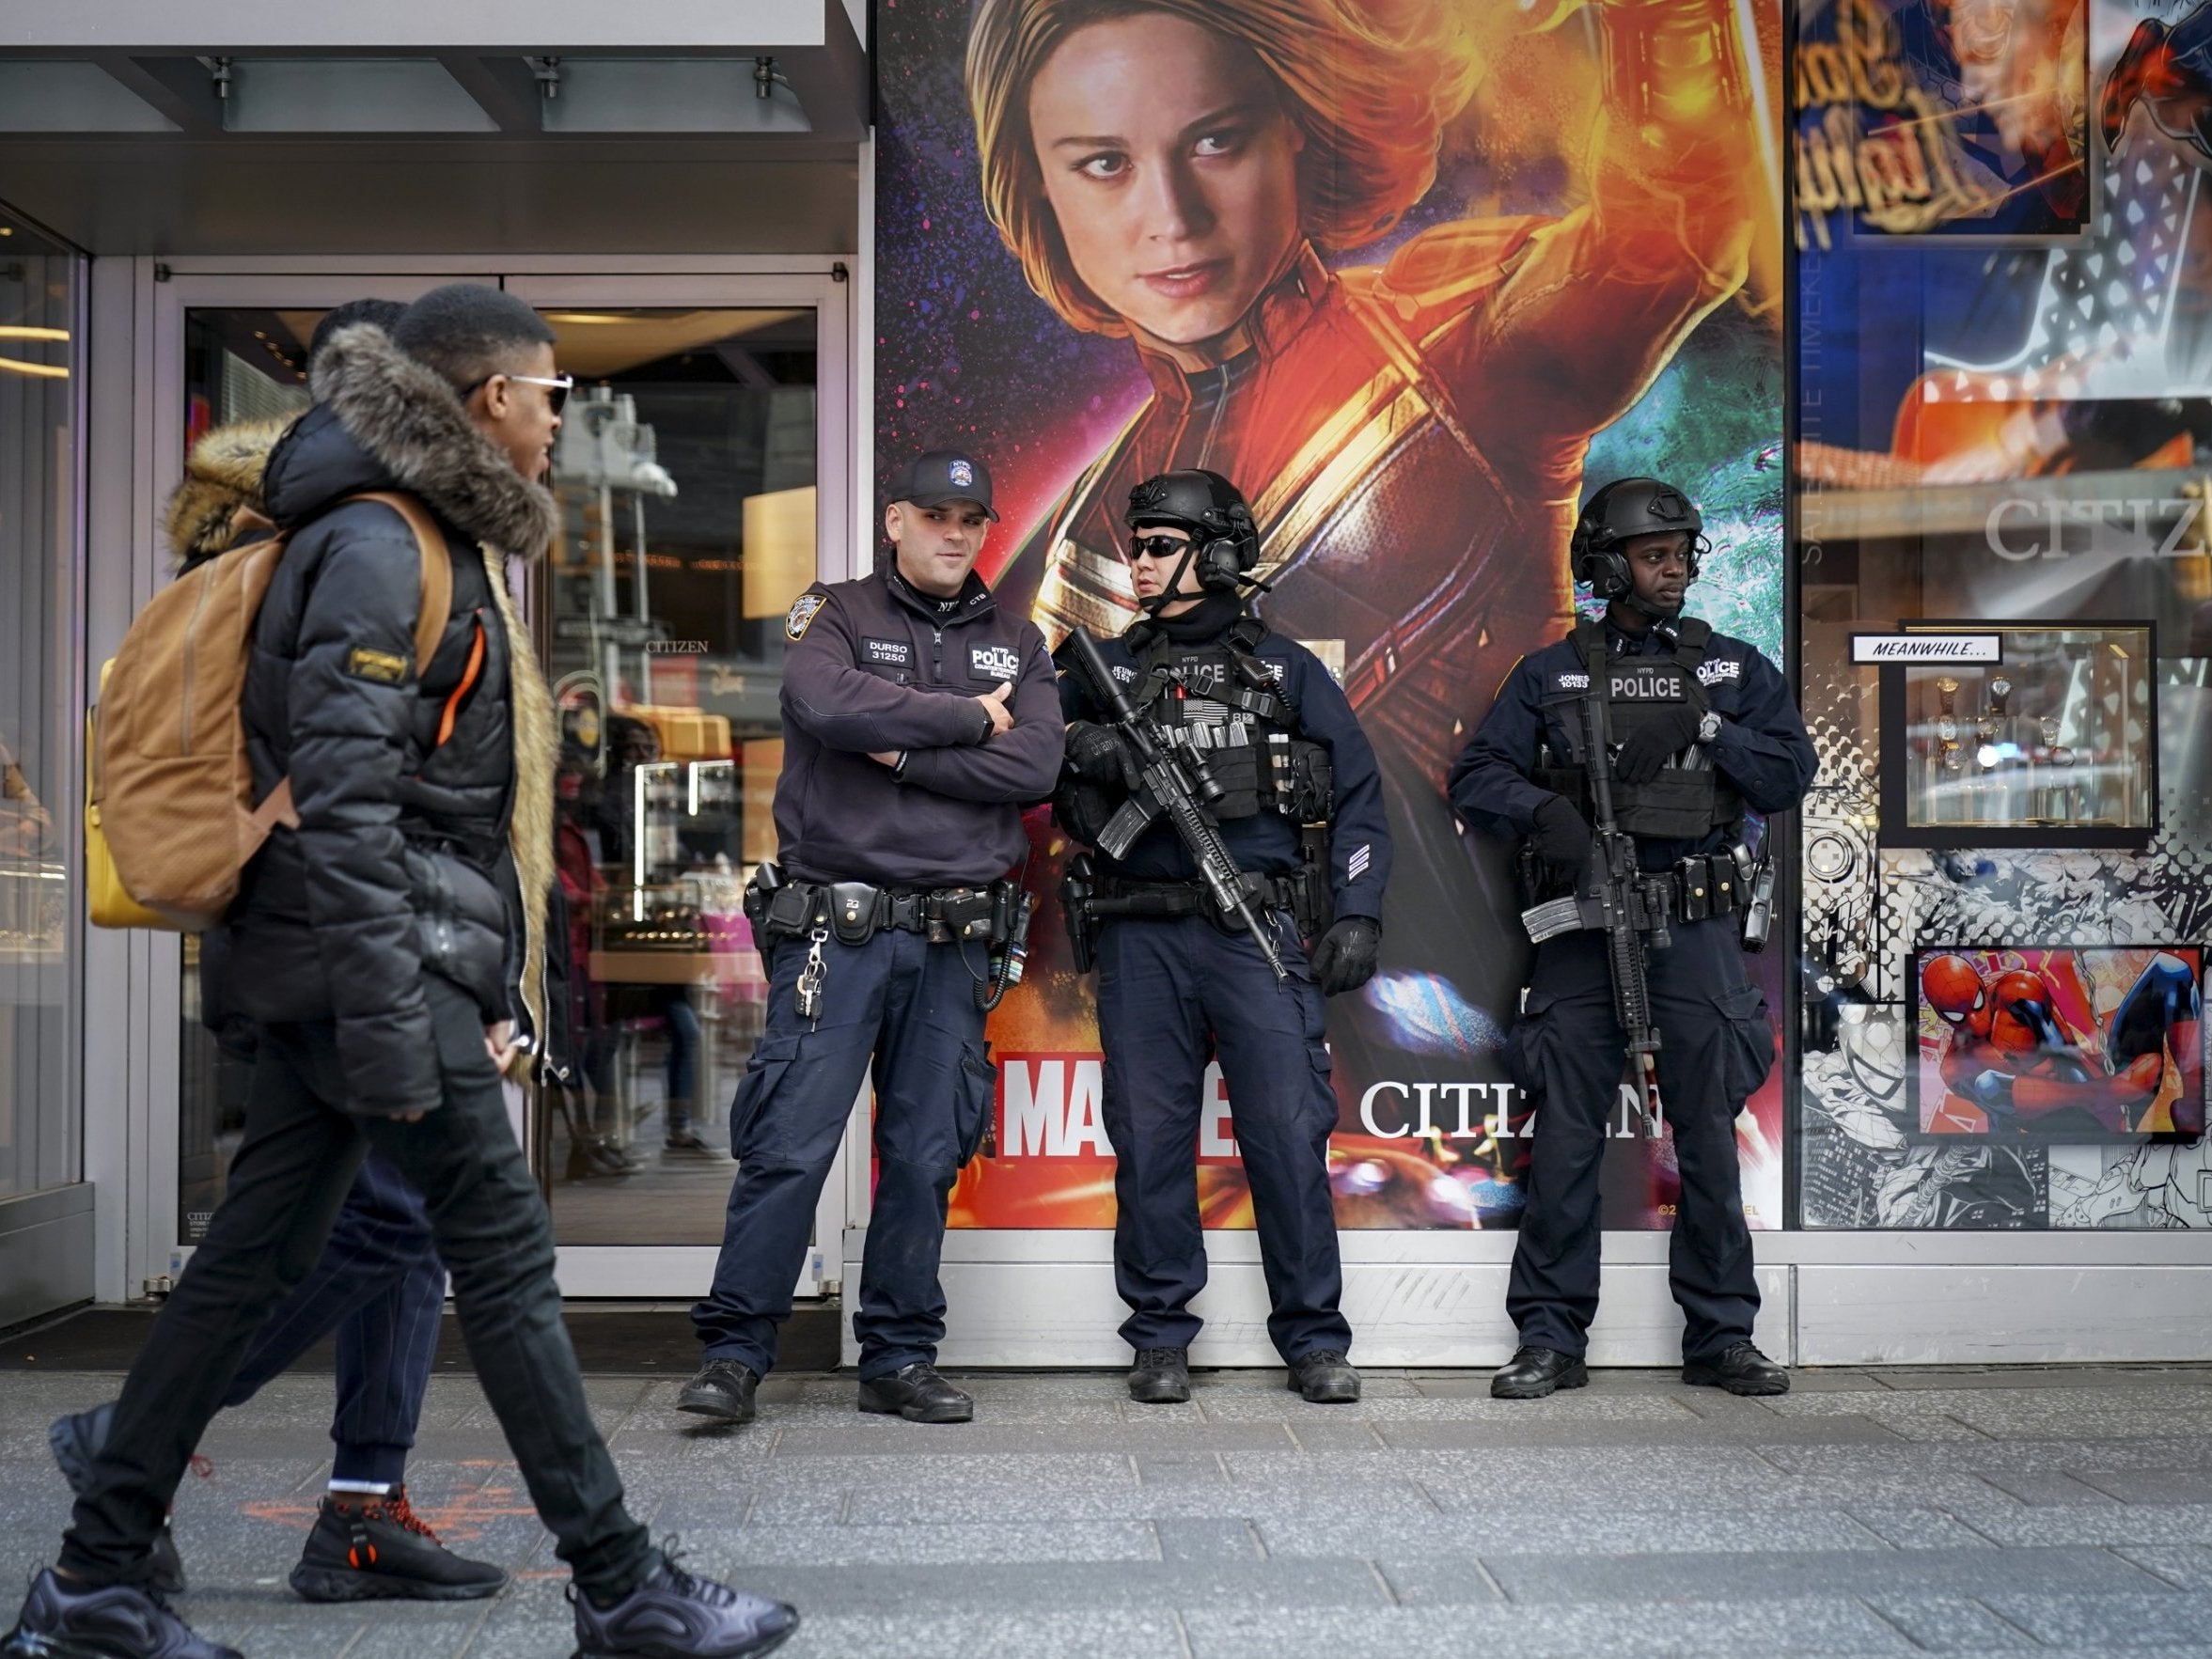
column 2060, row 737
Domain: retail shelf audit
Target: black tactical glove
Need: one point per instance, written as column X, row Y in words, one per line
column 1346, row 958
column 1562, row 838
column 1663, row 735
column 1094, row 752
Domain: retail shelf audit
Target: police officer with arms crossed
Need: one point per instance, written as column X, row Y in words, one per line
column 1703, row 728
column 918, row 719
column 1179, row 982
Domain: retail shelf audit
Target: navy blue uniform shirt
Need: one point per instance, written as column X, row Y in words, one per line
column 874, row 666
column 1761, row 747
column 1267, row 842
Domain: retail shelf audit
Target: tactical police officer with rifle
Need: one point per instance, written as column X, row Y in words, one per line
column 1236, row 809
column 1627, row 756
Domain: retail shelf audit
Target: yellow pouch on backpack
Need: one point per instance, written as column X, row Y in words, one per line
column 105, row 896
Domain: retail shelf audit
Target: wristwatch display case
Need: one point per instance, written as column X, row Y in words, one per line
column 2054, row 744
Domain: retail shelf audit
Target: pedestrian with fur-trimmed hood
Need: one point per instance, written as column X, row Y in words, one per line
column 382, row 947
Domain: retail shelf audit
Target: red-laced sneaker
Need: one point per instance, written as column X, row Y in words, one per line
column 367, row 1547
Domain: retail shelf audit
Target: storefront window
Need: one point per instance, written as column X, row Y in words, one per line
column 41, row 1128
column 2004, row 393
column 686, row 477
column 686, row 473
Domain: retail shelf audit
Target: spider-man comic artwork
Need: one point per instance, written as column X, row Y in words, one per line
column 2062, row 1044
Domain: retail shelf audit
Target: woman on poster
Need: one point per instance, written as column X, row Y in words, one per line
column 1176, row 172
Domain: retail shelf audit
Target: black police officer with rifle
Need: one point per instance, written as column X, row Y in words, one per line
column 1625, row 757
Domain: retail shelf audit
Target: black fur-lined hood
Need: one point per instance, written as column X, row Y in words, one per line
column 384, row 422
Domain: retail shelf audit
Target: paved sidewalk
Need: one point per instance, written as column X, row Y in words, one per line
column 1870, row 1512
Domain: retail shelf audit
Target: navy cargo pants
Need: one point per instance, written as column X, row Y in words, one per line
column 1569, row 1052
column 1173, row 993
column 902, row 1012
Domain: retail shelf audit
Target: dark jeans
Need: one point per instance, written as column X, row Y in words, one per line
column 287, row 1183
column 1715, row 1048
column 1172, row 994
column 380, row 1284
column 910, row 1007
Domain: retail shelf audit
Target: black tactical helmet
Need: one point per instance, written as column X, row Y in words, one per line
column 1623, row 508
column 1224, row 538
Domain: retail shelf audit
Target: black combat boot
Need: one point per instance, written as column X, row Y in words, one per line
column 76, row 1441
column 1161, row 1376
column 1323, row 1377
column 64, row 1620
column 917, row 1393
column 1740, row 1369
column 723, row 1390
column 1533, row 1372
column 371, row 1548
column 671, row 1615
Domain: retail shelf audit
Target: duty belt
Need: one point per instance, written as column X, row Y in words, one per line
column 1702, row 885
column 1122, row 896
column 856, row 912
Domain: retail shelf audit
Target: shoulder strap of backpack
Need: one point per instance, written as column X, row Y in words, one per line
column 437, row 571
column 430, row 624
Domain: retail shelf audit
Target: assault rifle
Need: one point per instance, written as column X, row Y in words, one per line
column 1615, row 896
column 1170, row 780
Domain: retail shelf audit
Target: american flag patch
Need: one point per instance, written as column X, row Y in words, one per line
column 1356, row 865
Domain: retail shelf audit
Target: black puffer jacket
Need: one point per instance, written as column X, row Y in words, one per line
column 410, row 853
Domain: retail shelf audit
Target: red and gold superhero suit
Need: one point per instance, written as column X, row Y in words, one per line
column 1412, row 436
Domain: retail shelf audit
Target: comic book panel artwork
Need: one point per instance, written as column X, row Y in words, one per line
column 1951, row 119
column 2067, row 1044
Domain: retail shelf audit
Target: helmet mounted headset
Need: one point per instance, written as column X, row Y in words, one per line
column 1224, row 539
column 1623, row 509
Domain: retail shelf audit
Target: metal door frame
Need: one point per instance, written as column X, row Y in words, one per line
column 135, row 441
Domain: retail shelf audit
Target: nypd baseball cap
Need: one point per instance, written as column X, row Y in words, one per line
column 938, row 476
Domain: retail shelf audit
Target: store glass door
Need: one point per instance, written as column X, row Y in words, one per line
column 695, row 504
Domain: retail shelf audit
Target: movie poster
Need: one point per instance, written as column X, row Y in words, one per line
column 1416, row 274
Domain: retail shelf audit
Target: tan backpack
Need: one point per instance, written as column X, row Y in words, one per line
column 170, row 821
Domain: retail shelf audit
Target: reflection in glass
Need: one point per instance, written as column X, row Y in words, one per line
column 39, row 359
column 686, row 472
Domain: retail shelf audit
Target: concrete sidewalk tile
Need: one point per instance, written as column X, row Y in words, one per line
column 1020, row 1587
column 1335, row 1434
column 1910, row 1528
column 2089, row 1524
column 1030, row 1440
column 1833, row 1627
column 1083, row 1635
column 2042, row 1490
column 1420, row 1577
column 1818, row 1380
column 1745, row 1575
column 1687, row 1430
column 2185, row 1566
column 1182, row 1468
column 820, row 1543
column 2101, row 1377
column 1950, row 1624
column 2181, row 1487
column 1649, row 1529
column 2109, row 1624
column 1208, row 1538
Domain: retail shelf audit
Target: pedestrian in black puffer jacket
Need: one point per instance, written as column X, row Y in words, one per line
column 381, row 946
column 395, row 869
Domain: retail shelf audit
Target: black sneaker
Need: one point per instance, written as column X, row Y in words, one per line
column 1323, row 1377
column 76, row 1441
column 671, row 1615
column 1740, row 1369
column 1161, row 1376
column 917, row 1393
column 367, row 1548
column 723, row 1390
column 682, row 1140
column 64, row 1620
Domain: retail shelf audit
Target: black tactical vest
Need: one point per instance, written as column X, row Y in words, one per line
column 1222, row 703
column 1689, row 796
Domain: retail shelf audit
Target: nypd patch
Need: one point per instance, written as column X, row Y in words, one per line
column 1719, row 668
column 994, row 662
column 962, row 474
column 802, row 614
